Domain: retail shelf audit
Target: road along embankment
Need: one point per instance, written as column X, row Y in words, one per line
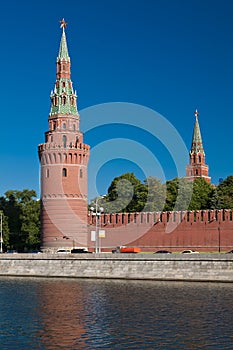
column 173, row 267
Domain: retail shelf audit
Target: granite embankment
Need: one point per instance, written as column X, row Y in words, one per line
column 193, row 267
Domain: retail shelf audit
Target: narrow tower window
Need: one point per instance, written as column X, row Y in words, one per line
column 64, row 141
column 63, row 100
column 47, row 173
column 81, row 173
column 64, row 172
column 64, row 126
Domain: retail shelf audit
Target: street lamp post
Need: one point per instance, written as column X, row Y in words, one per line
column 219, row 233
column 1, row 233
column 219, row 238
column 97, row 212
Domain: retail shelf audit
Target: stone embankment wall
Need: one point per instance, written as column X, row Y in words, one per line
column 193, row 267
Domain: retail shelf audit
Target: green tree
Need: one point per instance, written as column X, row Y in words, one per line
column 30, row 224
column 215, row 200
column 225, row 193
column 23, row 213
column 5, row 230
column 179, row 193
column 125, row 194
column 202, row 194
column 12, row 211
column 172, row 187
column 156, row 194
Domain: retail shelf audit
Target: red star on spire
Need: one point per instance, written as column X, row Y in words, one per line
column 63, row 23
column 196, row 113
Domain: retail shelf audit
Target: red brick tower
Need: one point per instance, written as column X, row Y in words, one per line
column 197, row 166
column 64, row 159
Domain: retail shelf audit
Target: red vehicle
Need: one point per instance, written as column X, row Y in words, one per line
column 130, row 250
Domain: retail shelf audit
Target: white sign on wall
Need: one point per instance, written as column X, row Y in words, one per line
column 93, row 236
column 102, row 233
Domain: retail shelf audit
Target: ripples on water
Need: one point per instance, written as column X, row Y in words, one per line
column 77, row 314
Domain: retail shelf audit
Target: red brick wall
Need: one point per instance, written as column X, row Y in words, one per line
column 201, row 230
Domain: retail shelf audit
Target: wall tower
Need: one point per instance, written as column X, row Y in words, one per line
column 63, row 163
column 197, row 166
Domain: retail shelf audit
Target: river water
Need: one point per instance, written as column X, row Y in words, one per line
column 112, row 314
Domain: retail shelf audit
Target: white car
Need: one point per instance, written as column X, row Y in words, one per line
column 189, row 251
column 63, row 251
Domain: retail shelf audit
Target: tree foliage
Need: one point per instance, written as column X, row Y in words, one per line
column 22, row 220
column 156, row 194
column 179, row 194
column 125, row 194
column 128, row 194
column 202, row 194
column 225, row 193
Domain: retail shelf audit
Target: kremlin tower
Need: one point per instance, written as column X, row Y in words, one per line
column 197, row 166
column 63, row 163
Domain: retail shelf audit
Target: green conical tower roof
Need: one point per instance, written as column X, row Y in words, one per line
column 197, row 145
column 63, row 97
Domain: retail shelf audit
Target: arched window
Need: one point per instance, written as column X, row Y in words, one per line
column 81, row 173
column 199, row 159
column 64, row 126
column 64, row 139
column 64, row 172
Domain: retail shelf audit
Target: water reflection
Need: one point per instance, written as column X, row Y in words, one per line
column 105, row 314
column 61, row 309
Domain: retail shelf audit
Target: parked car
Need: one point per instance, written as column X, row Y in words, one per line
column 230, row 252
column 35, row 251
column 189, row 251
column 11, row 251
column 162, row 252
column 63, row 251
column 79, row 251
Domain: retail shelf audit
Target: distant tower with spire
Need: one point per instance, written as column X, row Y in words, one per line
column 197, row 166
column 63, row 163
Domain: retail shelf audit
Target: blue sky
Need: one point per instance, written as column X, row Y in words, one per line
column 171, row 56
